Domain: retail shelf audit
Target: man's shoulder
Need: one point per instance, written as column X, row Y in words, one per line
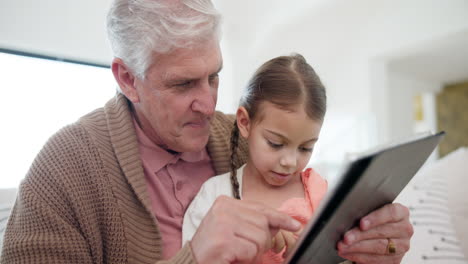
column 78, row 134
column 114, row 118
column 71, row 142
column 76, row 143
column 221, row 128
column 219, row 144
column 224, row 120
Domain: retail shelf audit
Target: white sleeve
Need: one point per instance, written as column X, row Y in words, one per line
column 197, row 211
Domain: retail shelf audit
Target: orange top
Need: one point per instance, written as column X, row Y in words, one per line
column 301, row 209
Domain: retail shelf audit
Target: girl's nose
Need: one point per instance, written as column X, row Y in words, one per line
column 288, row 159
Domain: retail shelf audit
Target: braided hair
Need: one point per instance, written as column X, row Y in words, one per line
column 234, row 143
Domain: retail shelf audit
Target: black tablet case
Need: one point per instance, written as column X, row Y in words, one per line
column 369, row 182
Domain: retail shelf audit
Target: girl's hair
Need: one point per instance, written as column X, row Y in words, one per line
column 285, row 81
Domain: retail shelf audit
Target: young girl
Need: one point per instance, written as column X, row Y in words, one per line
column 280, row 116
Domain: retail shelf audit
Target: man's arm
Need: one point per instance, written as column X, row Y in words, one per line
column 36, row 232
column 237, row 231
column 62, row 214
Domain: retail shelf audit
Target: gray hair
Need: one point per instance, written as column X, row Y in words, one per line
column 137, row 28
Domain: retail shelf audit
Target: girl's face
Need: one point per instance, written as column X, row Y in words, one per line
column 280, row 142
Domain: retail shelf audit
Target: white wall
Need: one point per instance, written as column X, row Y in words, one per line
column 340, row 36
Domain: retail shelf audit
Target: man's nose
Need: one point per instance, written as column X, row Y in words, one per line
column 205, row 99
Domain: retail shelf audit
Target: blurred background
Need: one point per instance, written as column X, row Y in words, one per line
column 391, row 68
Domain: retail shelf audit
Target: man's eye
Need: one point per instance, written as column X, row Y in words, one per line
column 274, row 145
column 214, row 81
column 183, row 84
column 214, row 77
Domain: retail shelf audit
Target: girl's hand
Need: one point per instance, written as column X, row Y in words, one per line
column 284, row 239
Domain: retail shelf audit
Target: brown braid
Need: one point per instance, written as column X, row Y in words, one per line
column 234, row 143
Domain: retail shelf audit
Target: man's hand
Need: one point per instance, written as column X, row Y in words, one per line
column 371, row 242
column 235, row 231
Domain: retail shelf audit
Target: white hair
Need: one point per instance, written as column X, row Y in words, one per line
column 137, row 28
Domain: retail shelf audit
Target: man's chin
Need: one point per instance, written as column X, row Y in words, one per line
column 194, row 144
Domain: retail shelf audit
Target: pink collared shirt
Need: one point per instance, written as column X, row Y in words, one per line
column 173, row 180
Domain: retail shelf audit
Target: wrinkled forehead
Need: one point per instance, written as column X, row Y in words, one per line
column 203, row 59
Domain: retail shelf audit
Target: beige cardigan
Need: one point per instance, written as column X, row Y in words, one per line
column 84, row 199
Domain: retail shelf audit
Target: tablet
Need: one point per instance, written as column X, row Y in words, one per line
column 369, row 181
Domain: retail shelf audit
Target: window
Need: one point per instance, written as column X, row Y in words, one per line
column 40, row 96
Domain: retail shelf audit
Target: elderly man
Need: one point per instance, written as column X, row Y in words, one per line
column 113, row 187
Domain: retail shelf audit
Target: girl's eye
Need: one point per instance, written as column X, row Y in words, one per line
column 304, row 149
column 274, row 145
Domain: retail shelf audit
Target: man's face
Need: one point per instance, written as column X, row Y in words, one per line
column 177, row 98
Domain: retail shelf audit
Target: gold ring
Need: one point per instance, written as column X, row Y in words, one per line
column 391, row 248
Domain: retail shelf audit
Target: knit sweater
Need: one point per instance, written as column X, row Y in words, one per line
column 85, row 200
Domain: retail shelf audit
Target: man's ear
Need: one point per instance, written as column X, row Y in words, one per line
column 243, row 121
column 125, row 79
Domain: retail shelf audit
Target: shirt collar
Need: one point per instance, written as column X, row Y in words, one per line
column 157, row 157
